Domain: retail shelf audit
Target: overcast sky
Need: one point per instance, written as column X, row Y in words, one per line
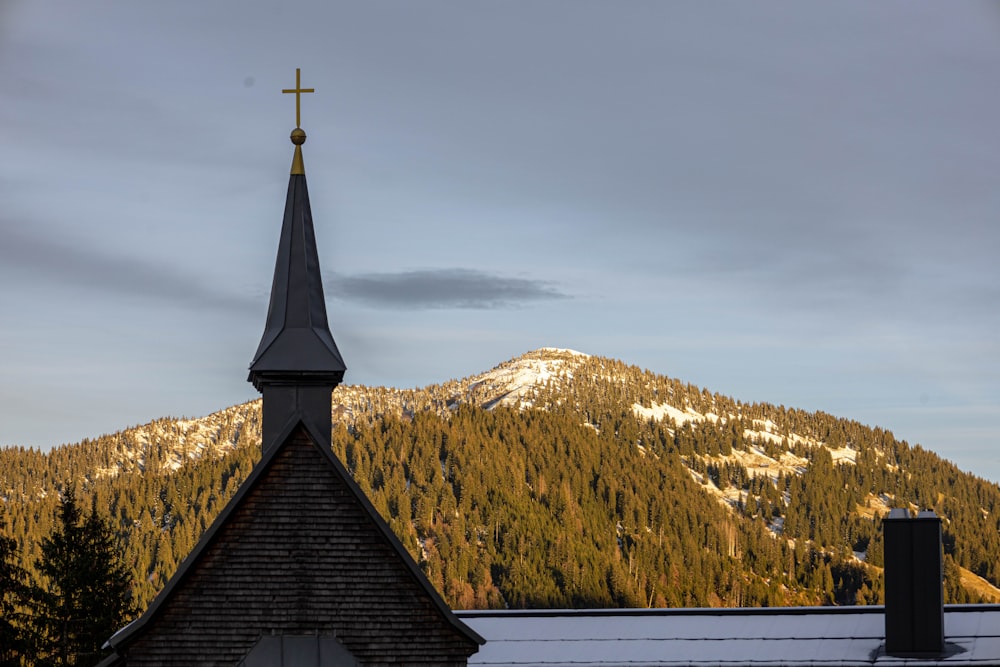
column 796, row 203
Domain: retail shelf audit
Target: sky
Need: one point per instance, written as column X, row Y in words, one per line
column 784, row 202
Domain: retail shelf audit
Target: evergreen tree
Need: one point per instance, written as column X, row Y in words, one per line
column 86, row 596
column 13, row 592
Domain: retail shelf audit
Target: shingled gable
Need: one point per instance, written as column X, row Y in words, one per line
column 298, row 551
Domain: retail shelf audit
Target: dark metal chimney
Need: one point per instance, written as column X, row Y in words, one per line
column 914, row 587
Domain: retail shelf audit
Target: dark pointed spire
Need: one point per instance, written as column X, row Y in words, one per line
column 297, row 363
column 297, row 336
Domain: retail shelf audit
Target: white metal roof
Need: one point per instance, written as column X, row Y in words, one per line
column 787, row 636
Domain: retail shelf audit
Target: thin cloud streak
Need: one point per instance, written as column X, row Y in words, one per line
column 41, row 259
column 442, row 288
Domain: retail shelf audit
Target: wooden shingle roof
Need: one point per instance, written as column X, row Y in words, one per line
column 298, row 550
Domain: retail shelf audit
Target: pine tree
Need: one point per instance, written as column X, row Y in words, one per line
column 13, row 591
column 86, row 595
column 107, row 596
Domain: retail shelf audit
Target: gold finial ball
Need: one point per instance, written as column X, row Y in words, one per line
column 298, row 136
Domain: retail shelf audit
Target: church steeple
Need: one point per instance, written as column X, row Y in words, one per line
column 297, row 363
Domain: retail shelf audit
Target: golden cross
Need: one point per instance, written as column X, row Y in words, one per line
column 298, row 90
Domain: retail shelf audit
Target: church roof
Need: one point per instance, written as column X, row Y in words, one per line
column 843, row 636
column 120, row 640
column 297, row 342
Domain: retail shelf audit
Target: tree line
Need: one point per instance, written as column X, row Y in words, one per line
column 570, row 500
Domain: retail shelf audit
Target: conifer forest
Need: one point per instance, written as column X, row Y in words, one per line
column 556, row 480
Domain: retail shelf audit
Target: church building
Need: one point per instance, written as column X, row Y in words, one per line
column 299, row 568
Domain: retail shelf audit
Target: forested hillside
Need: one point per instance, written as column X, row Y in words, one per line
column 554, row 480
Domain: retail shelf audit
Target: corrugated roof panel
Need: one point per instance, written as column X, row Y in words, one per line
column 964, row 625
column 985, row 649
column 763, row 638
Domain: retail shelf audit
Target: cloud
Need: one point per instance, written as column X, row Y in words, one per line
column 442, row 288
column 44, row 260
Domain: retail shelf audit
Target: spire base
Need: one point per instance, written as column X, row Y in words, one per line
column 298, row 166
column 308, row 403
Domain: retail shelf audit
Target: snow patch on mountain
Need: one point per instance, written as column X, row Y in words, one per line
column 563, row 350
column 844, row 455
column 513, row 382
column 171, row 443
column 757, row 436
column 661, row 411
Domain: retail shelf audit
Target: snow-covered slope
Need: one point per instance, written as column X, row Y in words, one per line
column 169, row 443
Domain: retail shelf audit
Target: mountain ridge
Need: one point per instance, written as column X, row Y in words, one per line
column 812, row 484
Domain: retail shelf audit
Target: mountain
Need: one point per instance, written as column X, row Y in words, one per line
column 556, row 479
